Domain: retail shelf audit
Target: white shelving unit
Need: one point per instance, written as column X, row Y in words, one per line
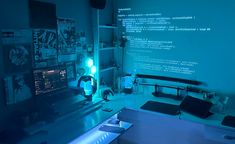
column 106, row 54
column 108, row 26
column 107, row 69
column 105, row 51
column 107, row 48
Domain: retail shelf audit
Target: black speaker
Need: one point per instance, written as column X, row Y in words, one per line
column 99, row 4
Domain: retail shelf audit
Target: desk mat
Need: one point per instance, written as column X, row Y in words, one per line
column 161, row 107
column 196, row 107
column 229, row 121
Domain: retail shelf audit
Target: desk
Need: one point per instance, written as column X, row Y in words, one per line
column 208, row 131
column 165, row 129
column 73, row 126
column 96, row 135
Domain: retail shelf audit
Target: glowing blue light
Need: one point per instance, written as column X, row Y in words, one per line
column 90, row 62
column 93, row 69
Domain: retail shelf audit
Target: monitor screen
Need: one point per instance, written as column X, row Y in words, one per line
column 50, row 80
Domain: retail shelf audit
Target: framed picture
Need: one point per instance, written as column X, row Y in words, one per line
column 17, row 50
column 45, row 48
column 18, row 88
column 42, row 14
column 66, row 36
column 71, row 71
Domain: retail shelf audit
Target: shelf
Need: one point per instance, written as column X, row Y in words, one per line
column 107, row 69
column 107, row 48
column 108, row 26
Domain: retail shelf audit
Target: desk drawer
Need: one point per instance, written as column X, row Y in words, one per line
column 223, row 135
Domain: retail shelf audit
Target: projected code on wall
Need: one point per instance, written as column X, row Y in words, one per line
column 152, row 39
column 138, row 23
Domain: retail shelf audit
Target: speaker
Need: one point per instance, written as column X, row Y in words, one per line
column 99, row 4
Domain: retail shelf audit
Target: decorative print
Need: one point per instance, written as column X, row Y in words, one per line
column 17, row 50
column 17, row 88
column 66, row 36
column 45, row 48
column 71, row 71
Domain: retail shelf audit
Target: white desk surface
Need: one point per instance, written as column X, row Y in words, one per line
column 135, row 101
column 71, row 127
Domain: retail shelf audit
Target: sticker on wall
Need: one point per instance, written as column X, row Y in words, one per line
column 17, row 50
column 17, row 88
column 66, row 36
column 45, row 48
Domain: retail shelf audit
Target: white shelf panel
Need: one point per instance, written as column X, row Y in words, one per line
column 107, row 69
column 107, row 48
column 108, row 27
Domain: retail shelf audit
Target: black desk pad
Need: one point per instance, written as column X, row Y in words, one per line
column 161, row 107
column 197, row 107
column 229, row 121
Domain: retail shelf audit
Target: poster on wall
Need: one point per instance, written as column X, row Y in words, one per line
column 66, row 38
column 71, row 70
column 17, row 88
column 45, row 48
column 16, row 50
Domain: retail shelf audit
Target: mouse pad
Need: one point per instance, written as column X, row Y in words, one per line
column 197, row 107
column 229, row 121
column 161, row 107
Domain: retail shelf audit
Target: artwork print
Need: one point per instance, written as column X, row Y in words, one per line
column 45, row 48
column 17, row 50
column 71, row 70
column 17, row 88
column 66, row 36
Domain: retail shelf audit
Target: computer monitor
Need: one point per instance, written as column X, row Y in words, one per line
column 50, row 80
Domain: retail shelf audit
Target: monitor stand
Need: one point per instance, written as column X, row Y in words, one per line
column 157, row 93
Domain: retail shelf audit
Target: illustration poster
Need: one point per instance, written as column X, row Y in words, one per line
column 17, row 88
column 71, row 71
column 66, row 36
column 45, row 48
column 17, row 50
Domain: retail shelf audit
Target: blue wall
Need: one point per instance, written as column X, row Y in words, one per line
column 212, row 50
column 14, row 14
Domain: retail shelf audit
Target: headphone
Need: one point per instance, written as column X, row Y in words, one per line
column 87, row 79
column 107, row 92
